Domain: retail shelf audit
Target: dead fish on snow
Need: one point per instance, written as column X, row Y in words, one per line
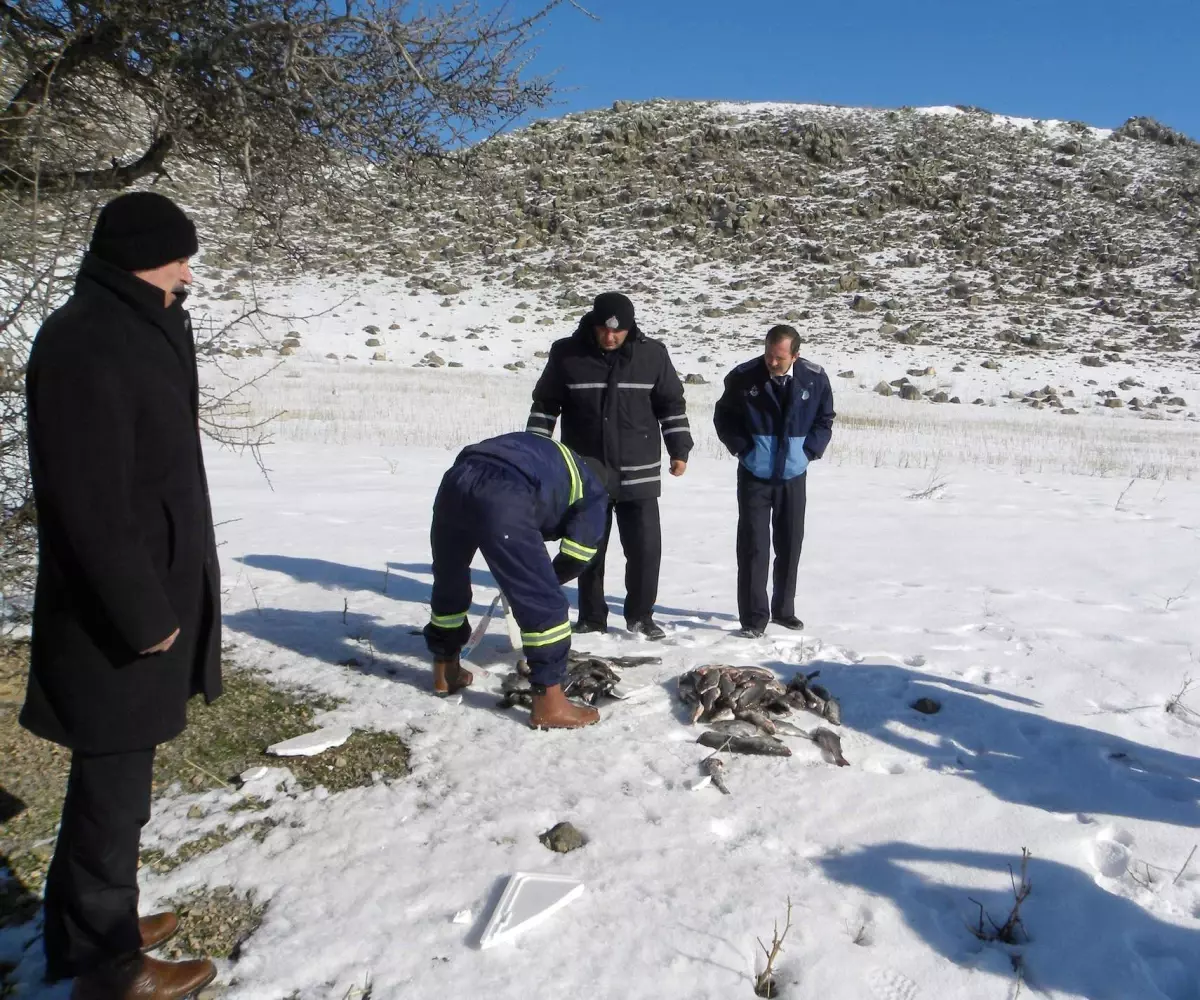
column 802, row 693
column 736, row 727
column 828, row 741
column 787, row 729
column 714, row 767
column 766, row 746
column 612, row 662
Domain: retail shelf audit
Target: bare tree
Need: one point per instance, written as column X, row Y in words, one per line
column 281, row 90
column 286, row 104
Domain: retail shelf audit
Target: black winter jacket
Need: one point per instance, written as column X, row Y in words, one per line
column 126, row 549
column 614, row 406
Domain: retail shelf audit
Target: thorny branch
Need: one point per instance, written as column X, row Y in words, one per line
column 1007, row 932
column 764, row 985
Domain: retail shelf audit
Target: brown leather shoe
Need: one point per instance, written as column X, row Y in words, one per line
column 449, row 677
column 157, row 929
column 145, row 978
column 552, row 710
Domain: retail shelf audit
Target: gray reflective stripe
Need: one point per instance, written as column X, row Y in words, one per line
column 647, row 479
column 542, row 416
column 640, row 468
column 635, row 385
column 586, row 385
column 667, row 420
column 540, row 430
column 675, row 430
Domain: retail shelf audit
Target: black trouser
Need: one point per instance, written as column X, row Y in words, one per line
column 768, row 513
column 641, row 539
column 91, row 899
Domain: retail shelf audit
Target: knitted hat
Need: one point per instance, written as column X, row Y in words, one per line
column 142, row 230
column 614, row 310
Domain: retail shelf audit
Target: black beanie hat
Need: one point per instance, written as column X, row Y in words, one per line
column 142, row 230
column 614, row 310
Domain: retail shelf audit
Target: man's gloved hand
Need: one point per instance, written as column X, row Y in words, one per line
column 566, row 568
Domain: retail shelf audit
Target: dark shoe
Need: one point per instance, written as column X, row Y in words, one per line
column 145, row 978
column 552, row 710
column 788, row 621
column 748, row 633
column 449, row 677
column 157, row 929
column 648, row 627
column 581, row 628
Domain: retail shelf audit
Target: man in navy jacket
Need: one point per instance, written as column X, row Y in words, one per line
column 776, row 415
column 505, row 497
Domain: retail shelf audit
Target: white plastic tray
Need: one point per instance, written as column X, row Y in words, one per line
column 527, row 901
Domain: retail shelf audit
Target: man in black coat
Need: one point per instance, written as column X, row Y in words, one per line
column 126, row 618
column 618, row 394
column 776, row 416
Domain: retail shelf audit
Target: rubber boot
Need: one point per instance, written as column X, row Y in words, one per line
column 450, row 677
column 552, row 710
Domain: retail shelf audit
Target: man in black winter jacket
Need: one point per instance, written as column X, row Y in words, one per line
column 126, row 615
column 618, row 395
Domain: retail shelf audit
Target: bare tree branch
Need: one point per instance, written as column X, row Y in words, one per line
column 289, row 105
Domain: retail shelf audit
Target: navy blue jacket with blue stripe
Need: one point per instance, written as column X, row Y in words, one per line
column 570, row 500
column 775, row 439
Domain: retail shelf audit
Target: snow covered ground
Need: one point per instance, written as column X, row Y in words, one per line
column 1051, row 623
column 1004, row 562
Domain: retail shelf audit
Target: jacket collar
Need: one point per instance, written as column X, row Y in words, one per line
column 142, row 296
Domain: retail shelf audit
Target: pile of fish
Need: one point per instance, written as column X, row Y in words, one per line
column 589, row 678
column 720, row 693
column 745, row 709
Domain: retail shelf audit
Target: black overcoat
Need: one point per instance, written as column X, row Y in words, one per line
column 125, row 533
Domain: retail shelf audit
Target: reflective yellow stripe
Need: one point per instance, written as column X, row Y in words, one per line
column 573, row 470
column 547, row 638
column 575, row 550
column 448, row 621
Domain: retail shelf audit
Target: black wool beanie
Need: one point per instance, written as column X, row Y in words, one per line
column 614, row 310
column 142, row 230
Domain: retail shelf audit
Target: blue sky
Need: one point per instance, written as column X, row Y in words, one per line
column 1098, row 61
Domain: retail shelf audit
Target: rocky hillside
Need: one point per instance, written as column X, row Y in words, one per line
column 935, row 225
column 947, row 236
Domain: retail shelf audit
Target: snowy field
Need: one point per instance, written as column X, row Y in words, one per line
column 1051, row 623
column 1037, row 575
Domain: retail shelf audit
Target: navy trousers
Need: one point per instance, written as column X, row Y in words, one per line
column 770, row 515
column 484, row 506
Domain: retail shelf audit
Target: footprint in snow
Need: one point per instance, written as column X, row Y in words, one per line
column 1173, row 972
column 888, row 984
column 862, row 927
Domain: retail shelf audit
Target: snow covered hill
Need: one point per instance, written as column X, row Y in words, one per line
column 1037, row 264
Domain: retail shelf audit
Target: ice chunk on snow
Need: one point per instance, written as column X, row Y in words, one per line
column 311, row 743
